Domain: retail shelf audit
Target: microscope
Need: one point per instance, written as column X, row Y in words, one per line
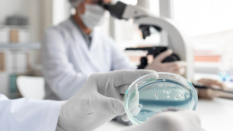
column 155, row 51
column 170, row 33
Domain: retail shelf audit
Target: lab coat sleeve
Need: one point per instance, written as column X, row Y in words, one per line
column 119, row 59
column 28, row 115
column 58, row 72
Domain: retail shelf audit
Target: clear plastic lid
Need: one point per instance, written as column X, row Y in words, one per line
column 153, row 93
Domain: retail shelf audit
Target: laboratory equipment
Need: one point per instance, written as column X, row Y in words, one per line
column 155, row 51
column 171, row 35
column 152, row 94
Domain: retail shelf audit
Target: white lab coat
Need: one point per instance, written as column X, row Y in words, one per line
column 68, row 62
column 28, row 115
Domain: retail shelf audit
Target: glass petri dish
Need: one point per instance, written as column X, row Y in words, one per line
column 154, row 93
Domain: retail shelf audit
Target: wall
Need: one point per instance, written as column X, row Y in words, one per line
column 40, row 16
column 203, row 17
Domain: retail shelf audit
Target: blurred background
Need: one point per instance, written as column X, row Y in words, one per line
column 206, row 23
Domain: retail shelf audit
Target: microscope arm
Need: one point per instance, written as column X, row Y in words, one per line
column 176, row 39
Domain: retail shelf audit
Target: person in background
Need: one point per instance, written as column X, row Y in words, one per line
column 91, row 107
column 74, row 49
column 209, row 94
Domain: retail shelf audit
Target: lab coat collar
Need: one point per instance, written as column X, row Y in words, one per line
column 87, row 52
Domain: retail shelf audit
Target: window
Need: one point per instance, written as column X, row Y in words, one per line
column 202, row 17
column 209, row 24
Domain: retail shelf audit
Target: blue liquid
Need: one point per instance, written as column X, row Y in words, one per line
column 158, row 95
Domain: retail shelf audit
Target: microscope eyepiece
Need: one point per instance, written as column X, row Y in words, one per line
column 103, row 5
column 116, row 10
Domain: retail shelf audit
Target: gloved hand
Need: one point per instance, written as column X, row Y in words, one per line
column 171, row 121
column 208, row 94
column 172, row 67
column 99, row 101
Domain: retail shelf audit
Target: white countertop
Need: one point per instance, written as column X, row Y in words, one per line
column 216, row 115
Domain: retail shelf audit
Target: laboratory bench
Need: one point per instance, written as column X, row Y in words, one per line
column 216, row 115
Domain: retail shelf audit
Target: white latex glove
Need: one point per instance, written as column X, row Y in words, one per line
column 99, row 101
column 172, row 67
column 171, row 121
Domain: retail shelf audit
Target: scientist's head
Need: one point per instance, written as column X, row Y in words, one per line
column 88, row 13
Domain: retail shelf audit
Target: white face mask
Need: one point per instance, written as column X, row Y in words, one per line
column 93, row 16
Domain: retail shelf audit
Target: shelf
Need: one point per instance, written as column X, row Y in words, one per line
column 20, row 46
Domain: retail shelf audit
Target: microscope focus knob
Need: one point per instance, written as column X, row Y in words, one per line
column 143, row 63
column 171, row 58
